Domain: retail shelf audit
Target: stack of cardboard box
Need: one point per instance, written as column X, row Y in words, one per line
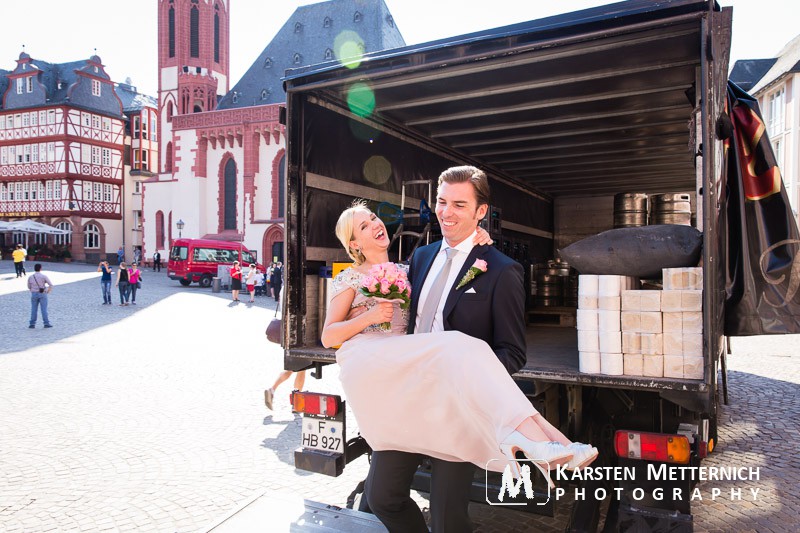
column 656, row 334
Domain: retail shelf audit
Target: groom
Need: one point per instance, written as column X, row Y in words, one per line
column 489, row 307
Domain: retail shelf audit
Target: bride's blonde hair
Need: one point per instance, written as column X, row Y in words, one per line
column 345, row 226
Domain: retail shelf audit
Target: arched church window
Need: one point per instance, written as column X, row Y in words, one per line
column 357, row 16
column 229, row 192
column 194, row 30
column 171, row 26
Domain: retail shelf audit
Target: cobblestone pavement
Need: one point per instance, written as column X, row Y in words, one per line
column 151, row 417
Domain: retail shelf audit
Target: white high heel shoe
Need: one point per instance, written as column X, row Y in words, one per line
column 541, row 454
column 582, row 455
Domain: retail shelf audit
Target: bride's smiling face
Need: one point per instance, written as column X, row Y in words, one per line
column 369, row 233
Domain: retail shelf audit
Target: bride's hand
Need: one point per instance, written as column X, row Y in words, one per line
column 381, row 312
column 482, row 237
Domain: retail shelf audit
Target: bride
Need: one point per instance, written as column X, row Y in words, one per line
column 443, row 394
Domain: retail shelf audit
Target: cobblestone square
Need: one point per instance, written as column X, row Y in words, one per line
column 151, row 417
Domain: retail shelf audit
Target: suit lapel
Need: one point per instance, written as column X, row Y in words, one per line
column 422, row 268
column 478, row 252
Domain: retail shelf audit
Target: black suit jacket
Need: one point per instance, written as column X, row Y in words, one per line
column 494, row 312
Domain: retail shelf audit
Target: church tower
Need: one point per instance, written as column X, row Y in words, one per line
column 193, row 62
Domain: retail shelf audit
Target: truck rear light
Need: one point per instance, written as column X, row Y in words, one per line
column 314, row 403
column 652, row 446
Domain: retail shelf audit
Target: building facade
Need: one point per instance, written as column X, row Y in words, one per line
column 222, row 151
column 63, row 157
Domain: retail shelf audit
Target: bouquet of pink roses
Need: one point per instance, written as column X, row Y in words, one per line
column 387, row 281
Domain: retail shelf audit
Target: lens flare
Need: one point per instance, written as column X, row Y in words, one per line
column 377, row 170
column 361, row 99
column 348, row 48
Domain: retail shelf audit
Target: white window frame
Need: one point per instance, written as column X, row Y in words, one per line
column 64, row 238
column 97, row 88
column 29, row 84
column 91, row 236
column 95, row 155
column 20, row 85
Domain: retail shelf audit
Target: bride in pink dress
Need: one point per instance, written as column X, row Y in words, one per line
column 442, row 394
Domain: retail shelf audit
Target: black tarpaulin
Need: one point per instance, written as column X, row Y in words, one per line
column 763, row 274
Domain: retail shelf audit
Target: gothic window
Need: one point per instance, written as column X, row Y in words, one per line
column 264, row 94
column 357, row 17
column 171, row 31
column 268, row 62
column 281, row 186
column 91, row 236
column 216, row 35
column 229, row 191
column 327, row 22
column 159, row 230
column 170, row 111
column 168, row 162
column 235, row 97
column 298, row 27
column 328, row 54
column 297, row 59
column 194, row 31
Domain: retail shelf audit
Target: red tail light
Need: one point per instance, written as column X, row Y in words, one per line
column 314, row 403
column 652, row 446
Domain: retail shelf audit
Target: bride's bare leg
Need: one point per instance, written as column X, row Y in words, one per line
column 537, row 428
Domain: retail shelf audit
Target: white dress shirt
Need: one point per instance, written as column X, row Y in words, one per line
column 463, row 250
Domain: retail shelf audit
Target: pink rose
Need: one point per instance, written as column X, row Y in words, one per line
column 384, row 287
column 370, row 283
column 400, row 284
column 481, row 265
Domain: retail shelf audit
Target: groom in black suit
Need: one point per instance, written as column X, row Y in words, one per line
column 490, row 307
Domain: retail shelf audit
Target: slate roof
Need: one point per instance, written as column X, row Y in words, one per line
column 132, row 100
column 786, row 62
column 3, row 84
column 305, row 38
column 747, row 72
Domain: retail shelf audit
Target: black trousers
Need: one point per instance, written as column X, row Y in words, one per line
column 19, row 268
column 388, row 493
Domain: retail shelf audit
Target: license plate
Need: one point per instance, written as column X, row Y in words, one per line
column 323, row 434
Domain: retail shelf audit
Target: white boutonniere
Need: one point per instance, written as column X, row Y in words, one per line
column 477, row 268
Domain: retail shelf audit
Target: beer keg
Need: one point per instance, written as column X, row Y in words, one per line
column 630, row 209
column 550, row 283
column 671, row 209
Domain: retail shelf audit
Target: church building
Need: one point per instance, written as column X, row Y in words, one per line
column 222, row 166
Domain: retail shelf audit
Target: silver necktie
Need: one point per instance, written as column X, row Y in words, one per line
column 435, row 294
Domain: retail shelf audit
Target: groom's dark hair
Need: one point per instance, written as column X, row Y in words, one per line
column 470, row 174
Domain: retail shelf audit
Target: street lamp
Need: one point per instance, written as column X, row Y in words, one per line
column 180, row 223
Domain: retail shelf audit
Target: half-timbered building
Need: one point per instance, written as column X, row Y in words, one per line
column 63, row 156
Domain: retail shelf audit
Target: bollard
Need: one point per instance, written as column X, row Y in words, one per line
column 215, row 284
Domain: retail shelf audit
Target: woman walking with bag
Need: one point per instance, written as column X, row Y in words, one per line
column 135, row 280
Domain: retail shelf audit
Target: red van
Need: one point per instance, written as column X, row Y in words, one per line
column 197, row 259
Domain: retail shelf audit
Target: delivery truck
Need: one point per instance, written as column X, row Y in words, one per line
column 563, row 114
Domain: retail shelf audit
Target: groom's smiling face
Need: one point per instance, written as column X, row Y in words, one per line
column 458, row 211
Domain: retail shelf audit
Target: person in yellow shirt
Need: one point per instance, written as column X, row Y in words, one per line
column 18, row 255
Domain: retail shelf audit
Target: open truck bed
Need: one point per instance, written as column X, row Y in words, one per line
column 552, row 358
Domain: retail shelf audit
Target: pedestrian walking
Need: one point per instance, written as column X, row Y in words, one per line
column 123, row 284
column 276, row 280
column 40, row 286
column 157, row 261
column 18, row 255
column 135, row 281
column 105, row 281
